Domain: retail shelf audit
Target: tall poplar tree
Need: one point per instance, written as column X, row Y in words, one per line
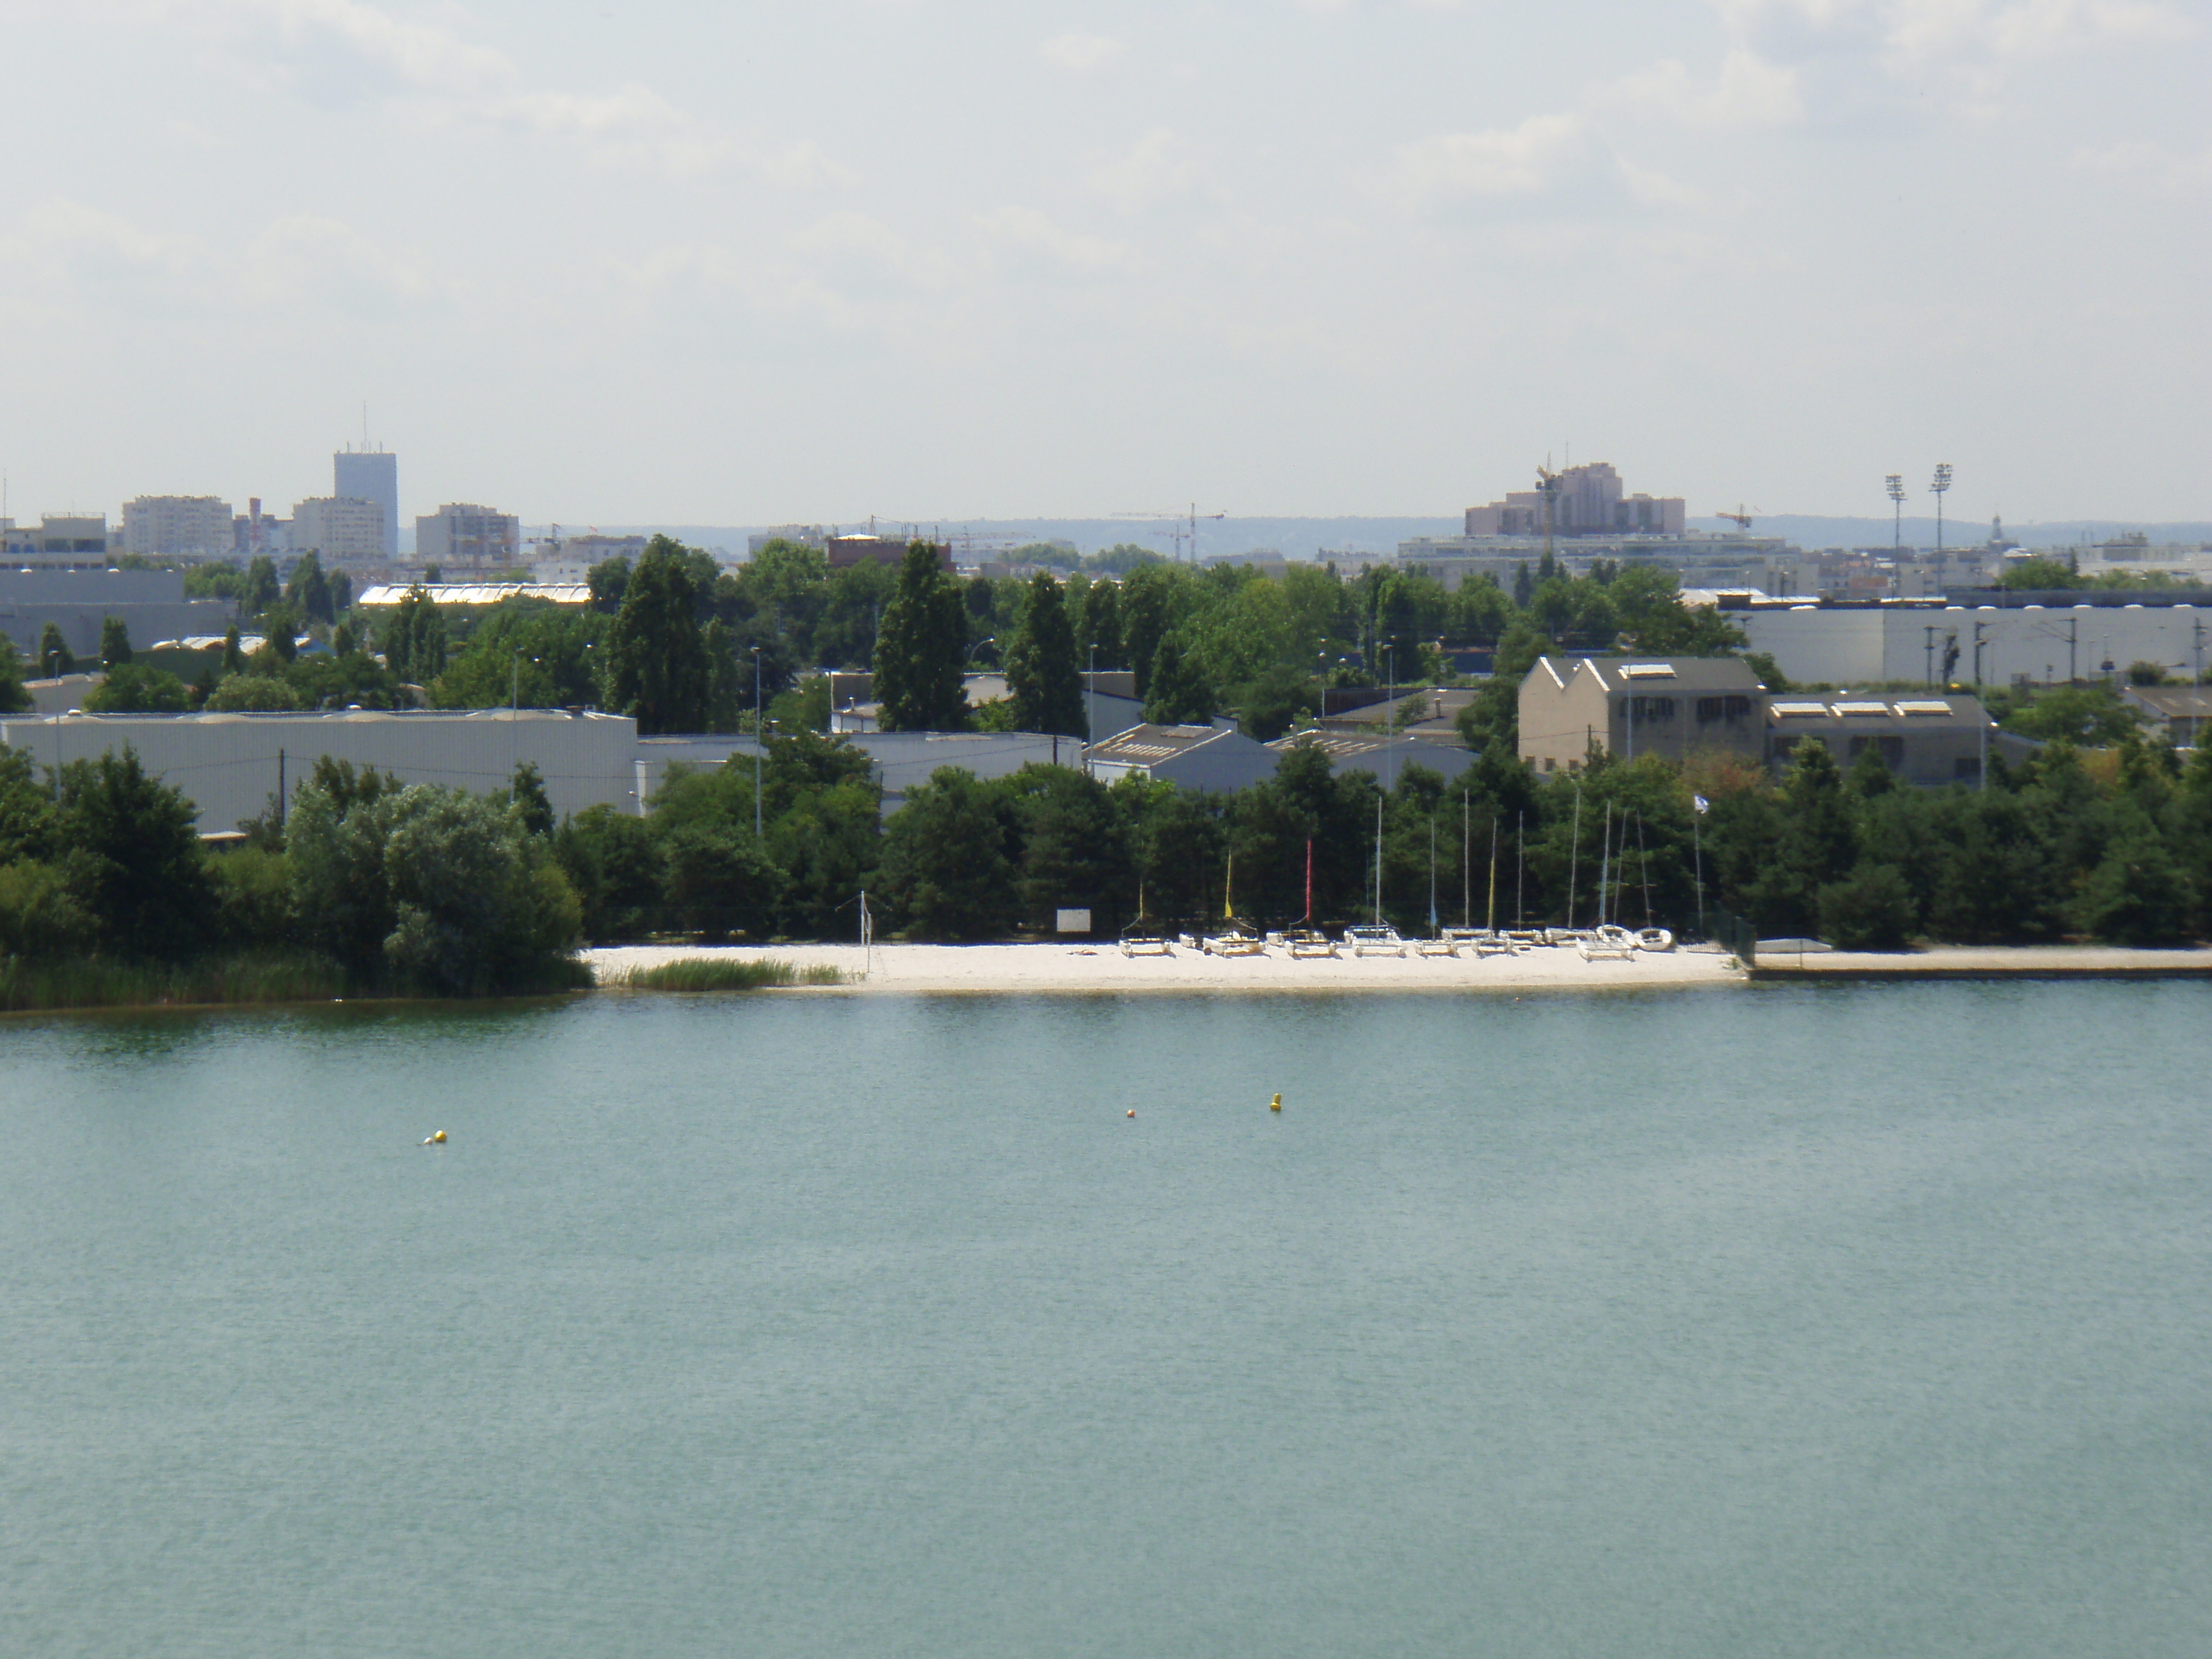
column 1042, row 675
column 921, row 647
column 657, row 667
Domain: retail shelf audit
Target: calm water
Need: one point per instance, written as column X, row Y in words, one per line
column 1849, row 1320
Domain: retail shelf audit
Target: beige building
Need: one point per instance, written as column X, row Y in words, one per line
column 338, row 527
column 1675, row 706
column 1586, row 500
column 1924, row 740
column 463, row 533
column 155, row 525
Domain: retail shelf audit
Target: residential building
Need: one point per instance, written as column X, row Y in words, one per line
column 1584, row 500
column 68, row 542
column 847, row 550
column 371, row 475
column 1677, row 707
column 254, row 533
column 1217, row 757
column 339, row 529
column 157, row 525
column 461, row 534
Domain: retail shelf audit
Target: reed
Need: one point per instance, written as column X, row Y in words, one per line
column 214, row 981
column 729, row 974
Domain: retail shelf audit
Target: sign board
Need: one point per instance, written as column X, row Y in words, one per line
column 1074, row 921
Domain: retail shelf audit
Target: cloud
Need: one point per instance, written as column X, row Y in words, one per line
column 1025, row 228
column 1081, row 52
column 1746, row 93
column 1153, row 170
column 2149, row 167
column 1503, row 161
column 1921, row 30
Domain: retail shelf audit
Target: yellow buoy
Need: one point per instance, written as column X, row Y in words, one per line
column 437, row 1140
column 1132, row 1111
column 1276, row 1104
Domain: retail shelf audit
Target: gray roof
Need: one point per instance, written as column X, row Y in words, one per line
column 1656, row 675
column 2187, row 702
column 1148, row 746
column 1826, row 711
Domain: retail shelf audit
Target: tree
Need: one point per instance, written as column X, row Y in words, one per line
column 1074, row 848
column 114, row 642
column 1148, row 609
column 613, row 861
column 132, row 858
column 14, row 699
column 258, row 693
column 538, row 655
column 1042, row 675
column 946, row 875
column 414, row 638
column 308, row 592
column 134, row 688
column 532, row 810
column 2137, row 894
column 55, row 657
column 609, row 580
column 922, row 647
column 27, row 823
column 260, row 589
column 2039, row 574
column 1493, row 718
column 1099, row 625
column 1870, row 909
column 1181, row 693
column 657, row 667
column 720, row 882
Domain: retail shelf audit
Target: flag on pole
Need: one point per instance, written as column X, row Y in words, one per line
column 1701, row 802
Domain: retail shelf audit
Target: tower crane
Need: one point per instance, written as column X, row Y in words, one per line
column 1739, row 519
column 1180, row 527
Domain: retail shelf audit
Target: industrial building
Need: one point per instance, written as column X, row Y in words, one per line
column 231, row 765
column 463, row 533
column 1677, row 707
column 2182, row 714
column 371, row 475
column 151, row 604
column 1993, row 639
column 1217, row 757
column 1381, row 756
column 154, row 526
column 339, row 529
column 1928, row 741
column 68, row 542
column 903, row 760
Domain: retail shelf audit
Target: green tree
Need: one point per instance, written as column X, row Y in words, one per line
column 657, row 667
column 308, row 592
column 55, row 657
column 2094, row 715
column 720, row 882
column 14, row 699
column 607, row 580
column 40, row 919
column 613, row 862
column 27, row 823
column 2046, row 574
column 114, row 642
column 2137, row 894
column 261, row 588
column 1099, row 625
column 1493, row 719
column 132, row 859
column 533, row 811
column 947, row 874
column 1149, row 606
column 922, row 647
column 539, row 655
column 1042, row 675
column 1074, row 845
column 414, row 639
column 1870, row 909
column 134, row 688
column 1181, row 693
column 258, row 693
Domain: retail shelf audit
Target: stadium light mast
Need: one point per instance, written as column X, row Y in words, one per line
column 1939, row 485
column 1896, row 483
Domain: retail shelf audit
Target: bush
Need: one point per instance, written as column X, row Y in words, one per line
column 262, row 694
column 38, row 916
column 132, row 688
column 728, row 974
column 1870, row 909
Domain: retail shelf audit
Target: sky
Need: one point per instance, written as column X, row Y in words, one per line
column 620, row 261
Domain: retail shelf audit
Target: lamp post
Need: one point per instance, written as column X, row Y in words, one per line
column 1091, row 707
column 1895, row 482
column 760, row 744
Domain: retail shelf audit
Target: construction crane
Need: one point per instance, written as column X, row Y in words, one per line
column 1181, row 528
column 1739, row 519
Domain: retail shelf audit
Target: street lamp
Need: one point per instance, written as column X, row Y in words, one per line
column 1895, row 481
column 759, row 743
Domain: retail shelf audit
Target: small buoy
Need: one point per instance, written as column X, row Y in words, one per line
column 1276, row 1104
column 437, row 1140
column 1132, row 1111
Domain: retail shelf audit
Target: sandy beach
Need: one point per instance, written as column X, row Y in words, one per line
column 1018, row 970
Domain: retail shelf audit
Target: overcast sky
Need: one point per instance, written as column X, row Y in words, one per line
column 623, row 261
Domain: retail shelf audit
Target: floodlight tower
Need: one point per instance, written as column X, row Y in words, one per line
column 1896, row 483
column 1941, row 482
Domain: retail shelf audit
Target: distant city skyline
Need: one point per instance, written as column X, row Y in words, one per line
column 1315, row 258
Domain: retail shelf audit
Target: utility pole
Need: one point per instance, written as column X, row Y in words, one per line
column 759, row 744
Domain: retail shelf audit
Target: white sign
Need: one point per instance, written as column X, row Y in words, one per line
column 1075, row 921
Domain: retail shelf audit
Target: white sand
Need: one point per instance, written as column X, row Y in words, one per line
column 1057, row 968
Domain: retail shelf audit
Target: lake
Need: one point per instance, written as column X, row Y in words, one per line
column 1840, row 1320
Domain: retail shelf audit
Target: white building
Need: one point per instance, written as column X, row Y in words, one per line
column 1904, row 643
column 155, row 525
column 371, row 476
column 338, row 528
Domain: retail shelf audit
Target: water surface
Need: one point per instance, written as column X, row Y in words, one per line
column 1841, row 1320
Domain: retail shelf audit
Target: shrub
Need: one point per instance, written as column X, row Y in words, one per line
column 1870, row 909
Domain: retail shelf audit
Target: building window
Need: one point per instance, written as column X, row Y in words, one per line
column 1734, row 706
column 1966, row 769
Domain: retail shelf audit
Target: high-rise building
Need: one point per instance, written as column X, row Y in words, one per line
column 155, row 525
column 1587, row 501
column 339, row 527
column 371, row 475
column 460, row 534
